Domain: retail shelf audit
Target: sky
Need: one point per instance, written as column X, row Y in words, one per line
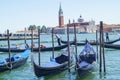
column 15, row 15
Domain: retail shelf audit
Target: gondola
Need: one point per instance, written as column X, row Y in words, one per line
column 56, row 48
column 56, row 65
column 86, row 60
column 91, row 42
column 16, row 61
column 66, row 42
column 12, row 50
column 34, row 49
column 112, row 46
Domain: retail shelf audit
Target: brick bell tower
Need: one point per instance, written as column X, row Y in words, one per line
column 61, row 18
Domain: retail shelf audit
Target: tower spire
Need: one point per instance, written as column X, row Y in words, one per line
column 61, row 18
column 60, row 11
column 60, row 6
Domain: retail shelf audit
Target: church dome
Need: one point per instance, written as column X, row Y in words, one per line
column 80, row 19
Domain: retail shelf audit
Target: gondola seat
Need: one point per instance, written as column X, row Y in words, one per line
column 83, row 64
column 61, row 59
column 2, row 62
column 8, row 59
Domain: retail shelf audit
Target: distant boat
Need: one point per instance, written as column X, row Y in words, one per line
column 16, row 61
column 56, row 65
column 83, row 33
column 86, row 60
column 91, row 42
column 56, row 48
column 2, row 39
column 112, row 46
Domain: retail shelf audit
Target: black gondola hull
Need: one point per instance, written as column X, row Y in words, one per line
column 82, row 72
column 34, row 49
column 44, row 71
column 51, row 48
column 91, row 42
column 11, row 50
column 112, row 46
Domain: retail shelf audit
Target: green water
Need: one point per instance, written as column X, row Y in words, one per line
column 26, row 72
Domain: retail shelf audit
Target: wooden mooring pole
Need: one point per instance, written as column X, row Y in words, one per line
column 104, row 66
column 32, row 45
column 97, row 44
column 39, row 46
column 100, row 68
column 8, row 44
column 102, row 48
column 68, row 47
column 8, row 35
column 75, row 42
column 25, row 36
column 53, row 42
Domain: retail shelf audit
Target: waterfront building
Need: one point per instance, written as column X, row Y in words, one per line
column 111, row 28
column 81, row 25
column 116, row 28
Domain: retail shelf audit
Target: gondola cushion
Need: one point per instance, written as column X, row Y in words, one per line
column 8, row 59
column 83, row 64
column 2, row 62
column 61, row 59
column 50, row 64
column 25, row 54
column 17, row 58
column 88, row 58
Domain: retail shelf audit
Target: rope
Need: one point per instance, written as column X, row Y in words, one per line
column 9, row 67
